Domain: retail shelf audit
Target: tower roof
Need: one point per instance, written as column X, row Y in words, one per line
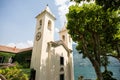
column 47, row 9
column 64, row 28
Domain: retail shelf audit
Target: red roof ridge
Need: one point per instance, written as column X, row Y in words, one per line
column 8, row 49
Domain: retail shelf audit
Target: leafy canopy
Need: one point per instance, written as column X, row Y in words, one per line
column 91, row 26
column 112, row 4
column 95, row 29
column 13, row 73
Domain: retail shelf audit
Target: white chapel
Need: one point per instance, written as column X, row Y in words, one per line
column 51, row 60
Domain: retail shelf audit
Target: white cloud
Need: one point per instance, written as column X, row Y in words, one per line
column 30, row 43
column 21, row 44
column 63, row 6
column 57, row 30
column 11, row 44
column 63, row 9
column 60, row 2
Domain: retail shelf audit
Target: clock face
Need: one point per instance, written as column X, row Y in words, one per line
column 38, row 36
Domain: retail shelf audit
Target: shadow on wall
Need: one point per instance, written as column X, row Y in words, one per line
column 53, row 68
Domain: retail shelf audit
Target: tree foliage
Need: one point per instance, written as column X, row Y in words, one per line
column 13, row 73
column 94, row 29
column 107, row 75
column 91, row 26
column 112, row 4
column 6, row 56
column 24, row 59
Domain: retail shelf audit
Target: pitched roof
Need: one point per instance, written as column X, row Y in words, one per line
column 63, row 28
column 60, row 42
column 25, row 49
column 47, row 9
column 13, row 50
column 8, row 49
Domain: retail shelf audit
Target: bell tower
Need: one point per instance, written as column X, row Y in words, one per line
column 44, row 33
column 65, row 37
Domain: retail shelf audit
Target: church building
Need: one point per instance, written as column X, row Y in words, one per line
column 51, row 60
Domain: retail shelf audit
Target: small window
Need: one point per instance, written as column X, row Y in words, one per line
column 40, row 22
column 2, row 59
column 63, row 37
column 61, row 76
column 49, row 25
column 61, row 60
column 61, row 69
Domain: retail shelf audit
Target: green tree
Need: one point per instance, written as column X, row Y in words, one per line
column 13, row 73
column 94, row 30
column 104, row 62
column 112, row 4
column 107, row 75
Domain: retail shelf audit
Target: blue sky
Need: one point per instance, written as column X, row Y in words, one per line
column 17, row 19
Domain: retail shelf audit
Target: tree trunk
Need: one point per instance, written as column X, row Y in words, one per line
column 118, row 50
column 98, row 72
column 105, row 68
column 97, row 69
column 95, row 60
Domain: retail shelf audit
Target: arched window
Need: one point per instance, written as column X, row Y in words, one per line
column 61, row 69
column 40, row 24
column 61, row 60
column 49, row 25
column 63, row 37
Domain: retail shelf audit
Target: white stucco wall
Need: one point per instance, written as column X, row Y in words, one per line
column 68, row 39
column 40, row 50
column 55, row 66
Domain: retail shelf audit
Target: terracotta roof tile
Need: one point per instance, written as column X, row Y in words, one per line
column 13, row 50
column 8, row 49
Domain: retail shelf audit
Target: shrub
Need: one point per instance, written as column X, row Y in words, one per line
column 107, row 75
column 13, row 73
column 6, row 56
column 24, row 59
